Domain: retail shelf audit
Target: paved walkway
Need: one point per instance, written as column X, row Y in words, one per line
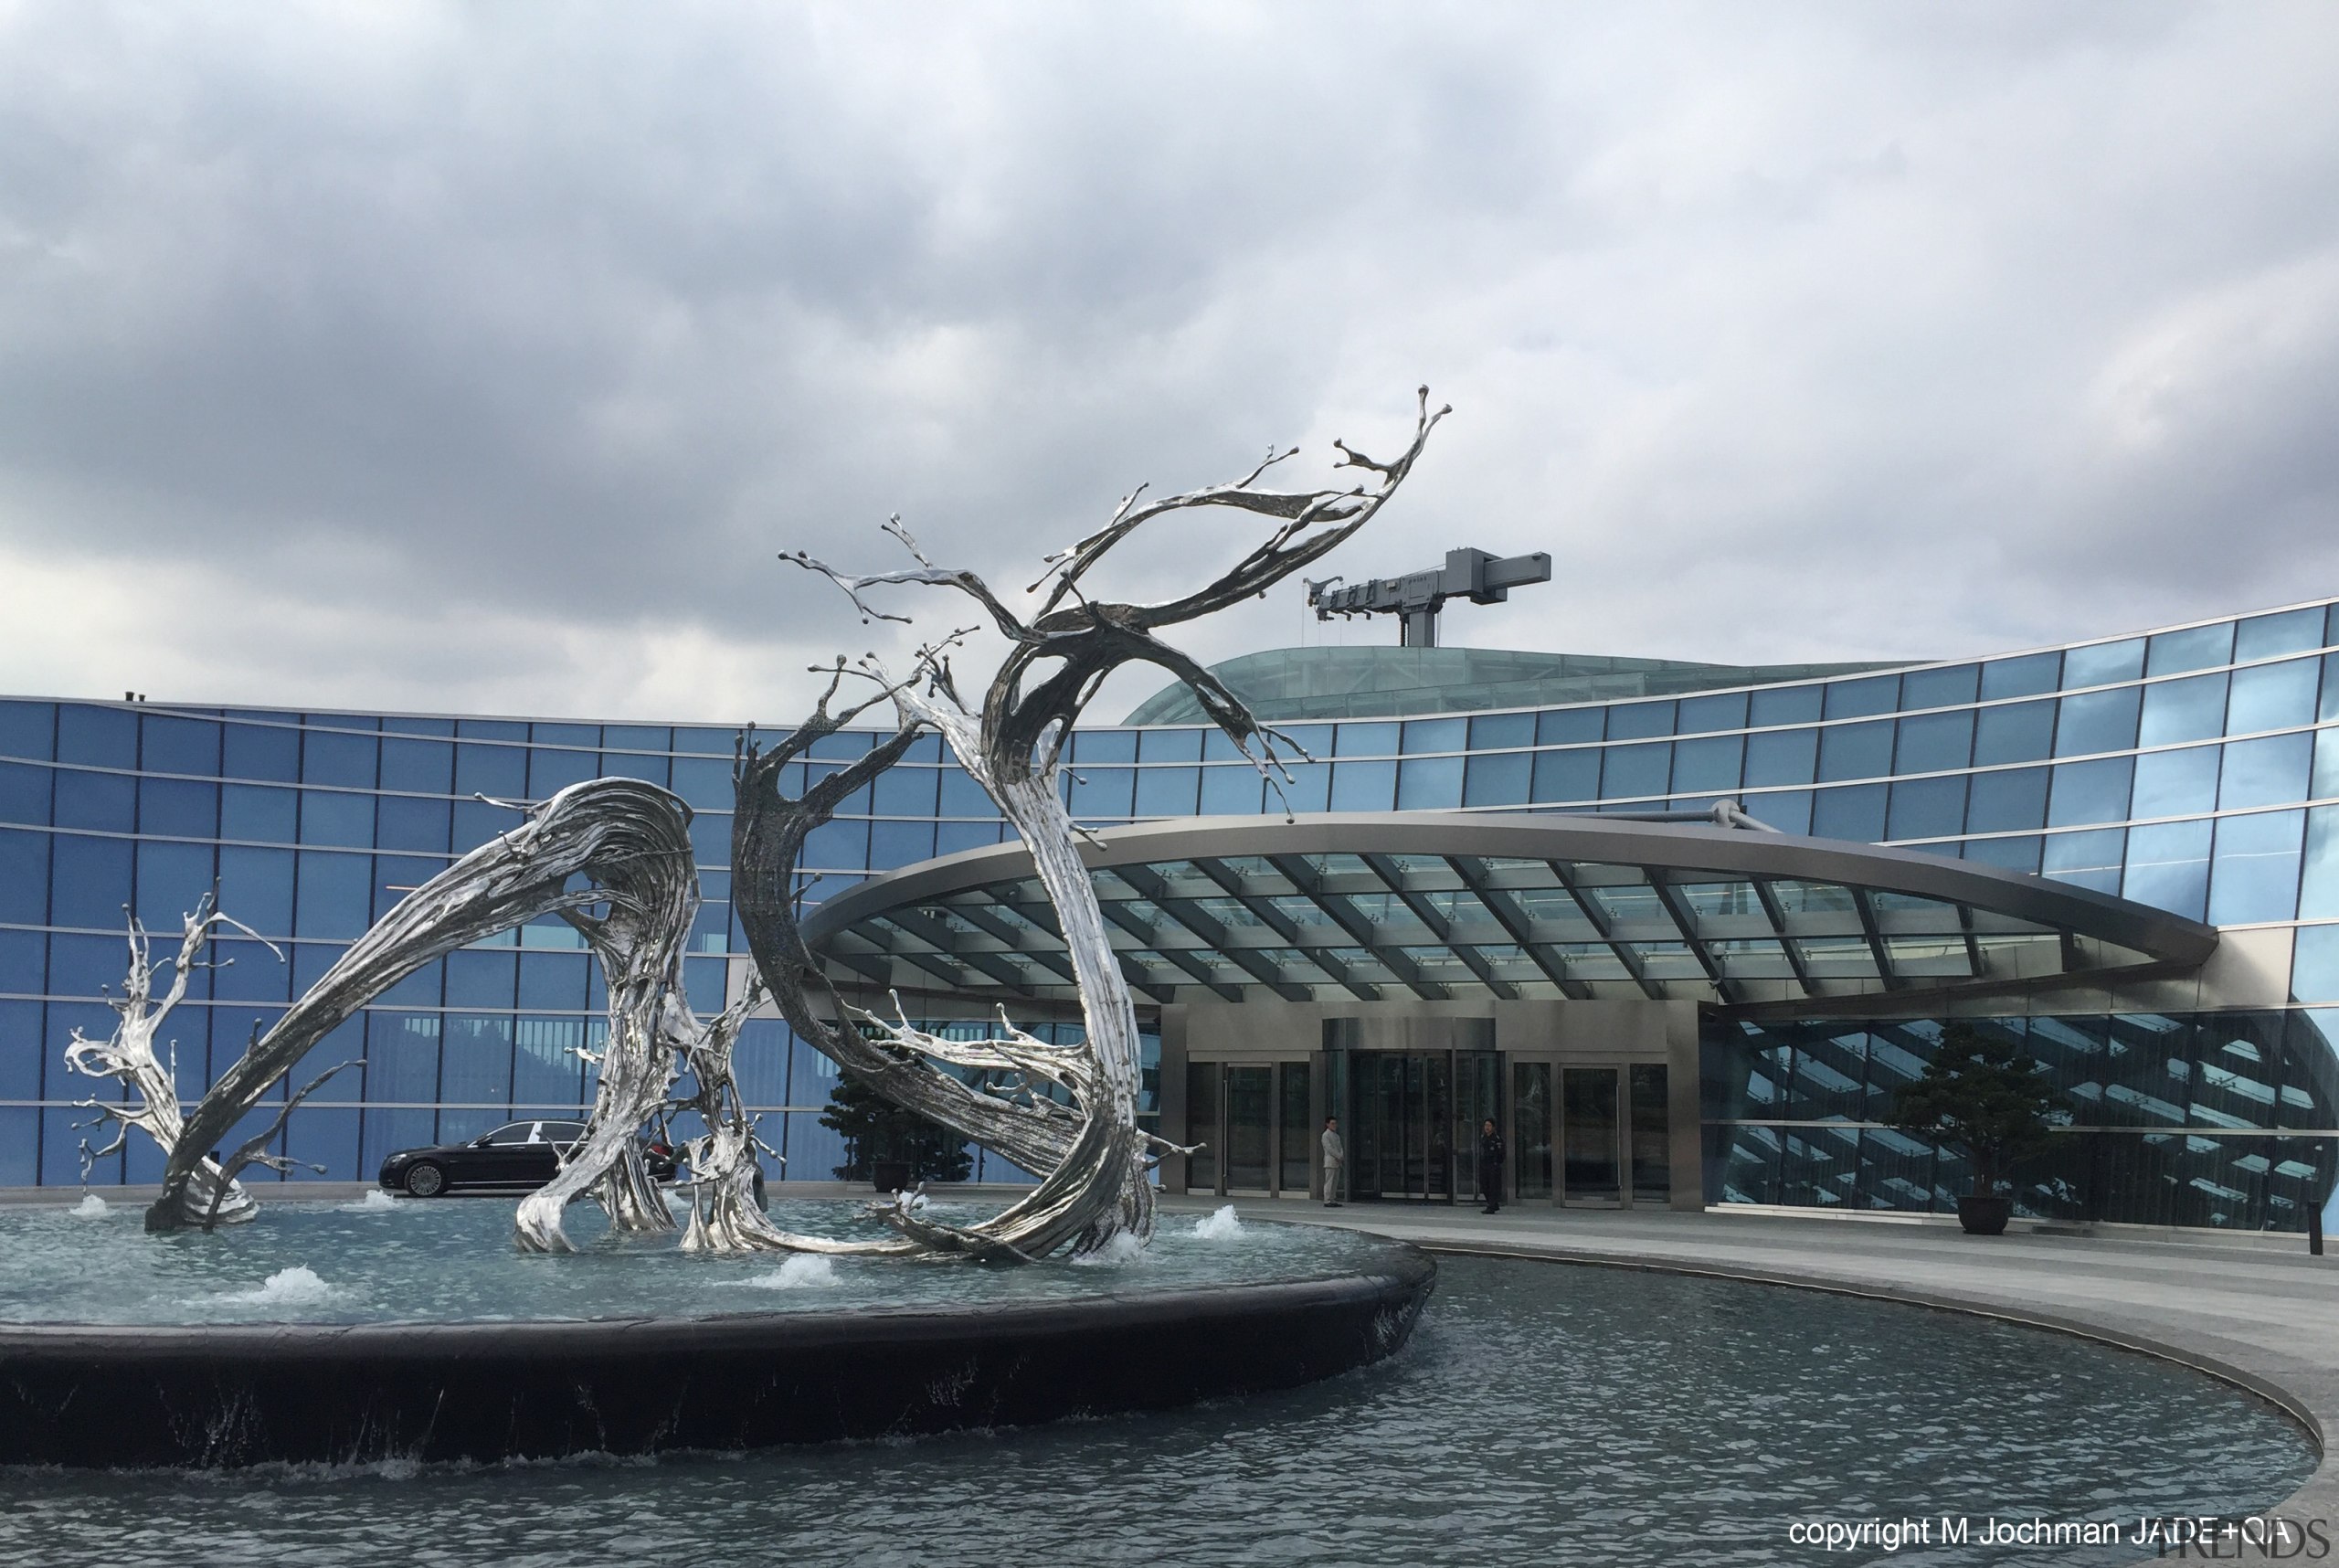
column 2266, row 1319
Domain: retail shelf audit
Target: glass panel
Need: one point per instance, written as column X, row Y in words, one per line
column 1588, row 1134
column 1710, row 764
column 2315, row 967
column 1363, row 786
column 2175, row 783
column 2176, row 711
column 1563, row 726
column 2007, row 801
column 2274, row 696
column 2200, row 647
column 1250, row 1127
column 1939, row 688
column 2007, row 854
column 2168, row 867
column 1782, row 757
column 2271, row 771
column 1636, row 721
column 1530, row 1137
column 2270, row 636
column 1651, row 1151
column 1434, row 735
column 2256, row 874
column 1365, row 740
column 1566, row 775
column 2319, row 892
column 1167, row 791
column 1927, row 809
column 1429, row 783
column 1636, row 770
column 2098, row 721
column 2085, row 860
column 28, row 729
column 2026, row 676
column 1869, row 695
column 1501, row 780
column 1856, row 812
column 1784, row 705
column 1855, row 751
column 1104, row 746
column 2091, row 792
column 2019, row 732
column 2102, row 664
column 1698, row 716
column 1934, row 742
column 1171, row 745
column 1201, row 1126
column 1490, row 732
column 1297, row 1131
column 1232, row 791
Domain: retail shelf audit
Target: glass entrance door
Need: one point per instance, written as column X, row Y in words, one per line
column 1250, row 1128
column 1590, row 1155
column 1413, row 1122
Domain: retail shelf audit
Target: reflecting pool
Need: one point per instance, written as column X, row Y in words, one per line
column 1543, row 1413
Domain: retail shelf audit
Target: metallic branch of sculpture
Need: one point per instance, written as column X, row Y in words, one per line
column 626, row 845
column 1012, row 745
column 151, row 1086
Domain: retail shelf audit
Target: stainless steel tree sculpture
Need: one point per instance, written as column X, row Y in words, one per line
column 151, row 1084
column 608, row 842
column 1012, row 745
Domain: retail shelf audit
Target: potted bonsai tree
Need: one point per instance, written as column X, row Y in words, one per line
column 1992, row 1100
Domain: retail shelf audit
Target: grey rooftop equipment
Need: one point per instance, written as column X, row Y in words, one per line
column 1418, row 596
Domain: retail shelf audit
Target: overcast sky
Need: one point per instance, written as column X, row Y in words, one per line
column 483, row 359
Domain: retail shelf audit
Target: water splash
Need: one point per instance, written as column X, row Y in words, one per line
column 298, row 1285
column 1219, row 1226
column 91, row 1207
column 806, row 1271
column 1122, row 1248
column 374, row 1203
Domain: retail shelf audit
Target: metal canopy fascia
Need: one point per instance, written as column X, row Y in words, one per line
column 1582, row 852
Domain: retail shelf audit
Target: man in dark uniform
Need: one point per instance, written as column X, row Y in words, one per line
column 1490, row 1164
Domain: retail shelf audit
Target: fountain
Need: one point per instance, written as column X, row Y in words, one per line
column 156, row 1381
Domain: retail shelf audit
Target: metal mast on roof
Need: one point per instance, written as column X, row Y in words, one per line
column 1418, row 596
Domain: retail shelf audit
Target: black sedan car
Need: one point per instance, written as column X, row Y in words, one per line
column 519, row 1155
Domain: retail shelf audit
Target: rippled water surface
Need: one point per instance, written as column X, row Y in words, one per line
column 1544, row 1413
column 405, row 1260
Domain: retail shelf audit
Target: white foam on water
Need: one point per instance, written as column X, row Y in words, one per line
column 1122, row 1248
column 91, row 1207
column 374, row 1203
column 1219, row 1226
column 805, row 1271
column 295, row 1286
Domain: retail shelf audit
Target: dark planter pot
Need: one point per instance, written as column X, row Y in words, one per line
column 894, row 1176
column 1983, row 1216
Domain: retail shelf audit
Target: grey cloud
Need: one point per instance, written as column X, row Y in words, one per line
column 1791, row 330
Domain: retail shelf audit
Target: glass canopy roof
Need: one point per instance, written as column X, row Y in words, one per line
column 1403, row 912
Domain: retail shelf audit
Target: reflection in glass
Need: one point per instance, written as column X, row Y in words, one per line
column 2190, row 709
column 2085, row 860
column 2097, row 721
column 2168, row 867
column 1782, row 757
column 1298, row 1133
column 2007, row 801
column 2018, row 732
column 1589, row 1134
column 1530, row 1139
column 2271, row 771
column 1250, row 1127
column 1201, row 1126
column 2101, row 663
column 1651, row 1151
column 2274, row 696
column 2256, row 872
column 1855, row 751
column 2195, row 648
column 1567, row 775
column 2175, row 783
column 2285, row 632
column 2089, row 793
column 2319, row 883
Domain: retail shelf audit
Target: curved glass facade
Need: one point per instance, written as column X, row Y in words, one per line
column 2195, row 768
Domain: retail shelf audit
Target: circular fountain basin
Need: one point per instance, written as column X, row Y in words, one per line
column 412, row 1331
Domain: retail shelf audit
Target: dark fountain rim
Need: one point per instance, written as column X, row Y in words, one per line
column 120, row 1397
column 1400, row 1264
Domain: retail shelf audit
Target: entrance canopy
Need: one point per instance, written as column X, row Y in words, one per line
column 1432, row 906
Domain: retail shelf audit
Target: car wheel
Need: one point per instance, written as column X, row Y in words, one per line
column 426, row 1180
